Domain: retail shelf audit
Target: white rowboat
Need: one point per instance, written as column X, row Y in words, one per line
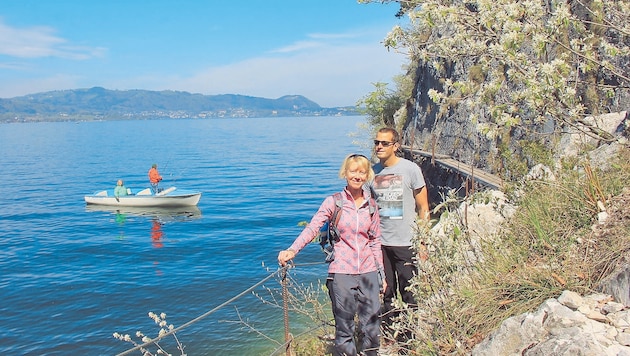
column 170, row 197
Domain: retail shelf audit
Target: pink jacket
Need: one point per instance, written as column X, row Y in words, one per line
column 359, row 248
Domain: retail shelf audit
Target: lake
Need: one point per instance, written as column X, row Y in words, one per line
column 71, row 275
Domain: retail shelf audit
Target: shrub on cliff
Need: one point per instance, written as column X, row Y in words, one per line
column 508, row 73
column 542, row 245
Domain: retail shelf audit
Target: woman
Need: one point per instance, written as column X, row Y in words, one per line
column 353, row 275
column 120, row 190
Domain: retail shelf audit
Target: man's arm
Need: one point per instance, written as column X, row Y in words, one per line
column 422, row 207
column 422, row 203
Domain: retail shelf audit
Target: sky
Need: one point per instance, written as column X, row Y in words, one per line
column 329, row 51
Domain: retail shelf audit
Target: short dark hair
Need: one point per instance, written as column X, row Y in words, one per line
column 395, row 135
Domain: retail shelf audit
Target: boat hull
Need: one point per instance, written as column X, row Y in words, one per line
column 170, row 197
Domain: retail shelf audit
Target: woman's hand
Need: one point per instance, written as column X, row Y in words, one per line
column 284, row 256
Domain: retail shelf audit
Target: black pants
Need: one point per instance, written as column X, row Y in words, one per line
column 399, row 269
column 355, row 294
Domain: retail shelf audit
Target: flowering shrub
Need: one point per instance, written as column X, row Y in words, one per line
column 524, row 62
column 165, row 328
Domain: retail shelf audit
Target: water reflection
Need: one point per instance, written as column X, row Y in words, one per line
column 120, row 221
column 164, row 214
column 158, row 217
column 156, row 233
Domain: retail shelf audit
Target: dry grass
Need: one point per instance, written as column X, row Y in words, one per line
column 469, row 286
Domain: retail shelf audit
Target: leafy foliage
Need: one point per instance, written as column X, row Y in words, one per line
column 528, row 62
column 470, row 284
column 382, row 104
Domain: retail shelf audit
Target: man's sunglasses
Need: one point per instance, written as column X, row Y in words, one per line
column 384, row 143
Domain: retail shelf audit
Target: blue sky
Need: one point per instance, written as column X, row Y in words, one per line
column 327, row 50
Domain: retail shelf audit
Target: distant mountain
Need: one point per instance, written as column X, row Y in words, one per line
column 103, row 104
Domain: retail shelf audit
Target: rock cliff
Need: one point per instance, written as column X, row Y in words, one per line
column 571, row 324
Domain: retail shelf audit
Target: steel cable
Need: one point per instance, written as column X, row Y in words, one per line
column 185, row 325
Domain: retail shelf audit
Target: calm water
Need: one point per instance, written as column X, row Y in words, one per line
column 70, row 276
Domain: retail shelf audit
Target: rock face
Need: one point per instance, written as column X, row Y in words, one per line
column 453, row 136
column 440, row 181
column 597, row 324
column 618, row 284
column 568, row 325
column 452, row 131
column 613, row 223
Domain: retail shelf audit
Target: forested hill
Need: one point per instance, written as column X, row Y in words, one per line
column 103, row 104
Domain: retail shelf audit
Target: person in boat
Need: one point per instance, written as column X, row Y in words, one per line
column 120, row 190
column 154, row 178
column 353, row 275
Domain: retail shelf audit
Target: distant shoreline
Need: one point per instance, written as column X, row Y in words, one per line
column 99, row 104
column 132, row 118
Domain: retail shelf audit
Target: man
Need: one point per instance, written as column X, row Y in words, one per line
column 154, row 178
column 401, row 193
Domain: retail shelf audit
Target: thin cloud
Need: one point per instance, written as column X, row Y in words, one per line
column 41, row 41
column 332, row 35
column 13, row 66
column 298, row 46
column 317, row 40
column 310, row 73
column 332, row 69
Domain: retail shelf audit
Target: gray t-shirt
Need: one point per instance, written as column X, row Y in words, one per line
column 394, row 188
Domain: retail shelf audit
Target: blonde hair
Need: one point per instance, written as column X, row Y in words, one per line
column 363, row 161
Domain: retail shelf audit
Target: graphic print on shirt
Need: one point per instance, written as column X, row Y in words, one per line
column 389, row 195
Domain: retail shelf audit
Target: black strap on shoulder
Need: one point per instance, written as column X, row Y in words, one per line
column 372, row 205
column 372, row 196
column 328, row 240
column 334, row 220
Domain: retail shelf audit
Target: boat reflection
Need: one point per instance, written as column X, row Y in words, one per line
column 156, row 233
column 163, row 214
column 159, row 217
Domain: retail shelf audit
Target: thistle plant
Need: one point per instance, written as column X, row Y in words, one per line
column 160, row 321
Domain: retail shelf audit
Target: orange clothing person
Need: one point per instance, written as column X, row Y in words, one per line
column 154, row 178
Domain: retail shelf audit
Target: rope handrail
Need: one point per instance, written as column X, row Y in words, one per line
column 204, row 315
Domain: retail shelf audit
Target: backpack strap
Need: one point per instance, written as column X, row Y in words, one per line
column 372, row 205
column 327, row 241
column 372, row 194
column 334, row 220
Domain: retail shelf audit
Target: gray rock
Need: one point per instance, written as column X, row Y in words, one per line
column 556, row 329
column 618, row 285
column 570, row 299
